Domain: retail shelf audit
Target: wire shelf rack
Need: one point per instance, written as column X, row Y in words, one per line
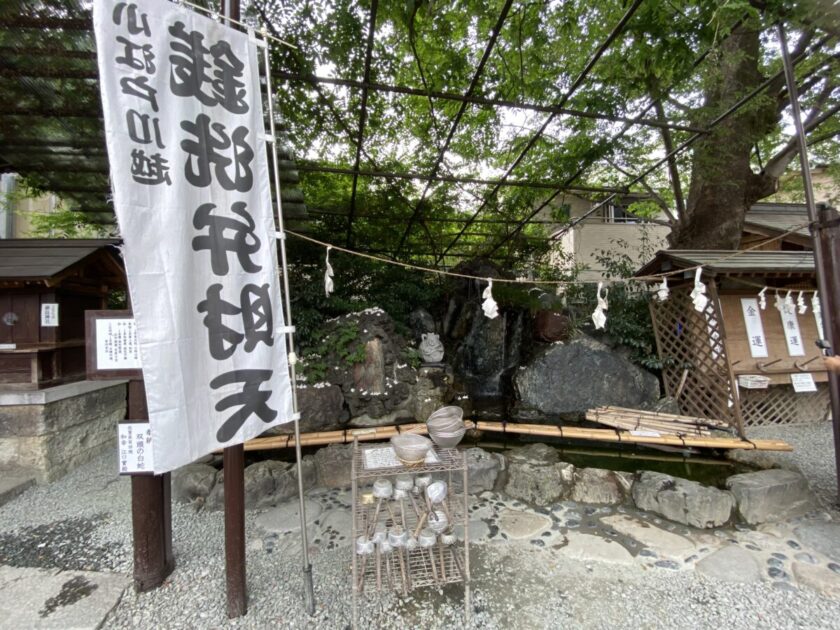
column 403, row 570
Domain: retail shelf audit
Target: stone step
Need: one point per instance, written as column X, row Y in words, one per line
column 14, row 485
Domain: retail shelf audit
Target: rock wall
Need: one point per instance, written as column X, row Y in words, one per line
column 49, row 432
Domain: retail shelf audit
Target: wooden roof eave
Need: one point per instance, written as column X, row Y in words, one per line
column 763, row 230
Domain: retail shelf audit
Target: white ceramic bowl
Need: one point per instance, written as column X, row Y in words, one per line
column 448, row 440
column 444, row 414
column 411, row 448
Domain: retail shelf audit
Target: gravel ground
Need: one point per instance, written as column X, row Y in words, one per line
column 813, row 453
column 83, row 521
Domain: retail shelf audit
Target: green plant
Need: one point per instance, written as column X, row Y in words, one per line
column 628, row 316
column 359, row 284
column 336, row 345
column 412, row 356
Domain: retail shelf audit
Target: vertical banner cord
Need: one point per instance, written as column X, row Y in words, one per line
column 307, row 568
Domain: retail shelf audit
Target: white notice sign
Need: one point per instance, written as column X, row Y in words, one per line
column 116, row 345
column 186, row 140
column 135, row 447
column 49, row 315
column 385, row 457
column 793, row 338
column 755, row 329
column 803, row 382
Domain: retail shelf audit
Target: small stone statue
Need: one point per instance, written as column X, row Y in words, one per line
column 431, row 348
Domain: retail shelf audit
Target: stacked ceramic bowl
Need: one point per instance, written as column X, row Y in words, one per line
column 411, row 448
column 446, row 426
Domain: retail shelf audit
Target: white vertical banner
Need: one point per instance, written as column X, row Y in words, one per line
column 755, row 329
column 186, row 145
column 793, row 338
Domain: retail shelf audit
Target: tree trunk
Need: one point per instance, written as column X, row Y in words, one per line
column 723, row 186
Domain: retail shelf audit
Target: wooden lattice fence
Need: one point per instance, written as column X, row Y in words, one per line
column 692, row 346
column 780, row 405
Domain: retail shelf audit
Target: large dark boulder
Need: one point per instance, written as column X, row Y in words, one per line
column 321, row 408
column 566, row 379
column 484, row 352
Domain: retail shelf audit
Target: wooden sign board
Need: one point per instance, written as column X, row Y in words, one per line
column 112, row 351
column 777, row 344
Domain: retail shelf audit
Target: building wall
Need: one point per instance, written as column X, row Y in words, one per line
column 16, row 211
column 826, row 187
column 639, row 240
column 582, row 244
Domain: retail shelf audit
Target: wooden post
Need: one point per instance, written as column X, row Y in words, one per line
column 730, row 371
column 829, row 232
column 151, row 511
column 234, row 469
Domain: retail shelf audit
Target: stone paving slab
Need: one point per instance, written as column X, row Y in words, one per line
column 13, row 485
column 589, row 548
column 731, row 564
column 286, row 516
column 664, row 543
column 69, row 600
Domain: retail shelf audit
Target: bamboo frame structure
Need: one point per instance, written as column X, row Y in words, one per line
column 323, row 438
column 36, row 79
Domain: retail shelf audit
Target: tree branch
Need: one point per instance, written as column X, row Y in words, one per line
column 823, row 137
column 779, row 162
column 657, row 198
column 678, row 105
column 673, row 170
column 808, row 80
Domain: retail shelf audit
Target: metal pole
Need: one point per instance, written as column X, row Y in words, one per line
column 233, row 458
column 828, row 302
column 309, row 591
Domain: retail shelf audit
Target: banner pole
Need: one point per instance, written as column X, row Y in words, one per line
column 822, row 263
column 233, row 465
column 309, row 591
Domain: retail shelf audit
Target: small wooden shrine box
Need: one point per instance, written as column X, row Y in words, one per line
column 45, row 288
column 734, row 360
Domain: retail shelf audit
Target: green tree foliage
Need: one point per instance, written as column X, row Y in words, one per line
column 696, row 57
column 542, row 47
column 628, row 317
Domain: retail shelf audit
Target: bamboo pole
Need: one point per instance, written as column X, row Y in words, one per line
column 324, row 438
column 633, row 423
column 668, row 416
column 641, row 421
column 610, row 435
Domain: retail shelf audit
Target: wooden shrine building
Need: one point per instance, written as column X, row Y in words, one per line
column 45, row 288
column 735, row 360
